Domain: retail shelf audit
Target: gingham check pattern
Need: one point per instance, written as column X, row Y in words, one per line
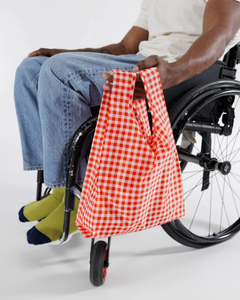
column 133, row 180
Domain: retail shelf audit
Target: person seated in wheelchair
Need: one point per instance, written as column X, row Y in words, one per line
column 55, row 88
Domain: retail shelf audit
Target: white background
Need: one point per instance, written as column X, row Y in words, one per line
column 143, row 265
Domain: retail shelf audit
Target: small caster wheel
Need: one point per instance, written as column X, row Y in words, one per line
column 98, row 263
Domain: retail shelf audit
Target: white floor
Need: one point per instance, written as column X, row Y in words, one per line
column 142, row 265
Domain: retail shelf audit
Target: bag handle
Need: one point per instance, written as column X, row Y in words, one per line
column 154, row 92
column 157, row 106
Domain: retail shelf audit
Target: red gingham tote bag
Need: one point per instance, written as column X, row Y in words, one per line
column 133, row 179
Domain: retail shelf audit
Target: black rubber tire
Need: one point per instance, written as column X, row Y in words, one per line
column 185, row 110
column 98, row 263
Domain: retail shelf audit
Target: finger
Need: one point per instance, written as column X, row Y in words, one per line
column 40, row 52
column 34, row 53
column 44, row 52
column 149, row 62
column 108, row 76
column 107, row 87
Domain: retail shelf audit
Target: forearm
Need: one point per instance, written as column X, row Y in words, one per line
column 128, row 45
column 201, row 55
column 115, row 49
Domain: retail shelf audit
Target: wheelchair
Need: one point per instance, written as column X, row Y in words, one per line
column 202, row 112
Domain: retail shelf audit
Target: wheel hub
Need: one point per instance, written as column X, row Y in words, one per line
column 213, row 164
column 224, row 167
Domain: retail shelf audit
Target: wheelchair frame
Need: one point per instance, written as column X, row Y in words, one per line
column 196, row 91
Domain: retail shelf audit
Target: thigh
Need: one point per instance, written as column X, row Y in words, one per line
column 82, row 71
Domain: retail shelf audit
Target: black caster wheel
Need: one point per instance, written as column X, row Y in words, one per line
column 98, row 263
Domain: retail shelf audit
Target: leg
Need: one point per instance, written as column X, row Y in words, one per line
column 25, row 95
column 68, row 85
column 26, row 103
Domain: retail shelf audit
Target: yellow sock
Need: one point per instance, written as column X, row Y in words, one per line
column 51, row 228
column 40, row 209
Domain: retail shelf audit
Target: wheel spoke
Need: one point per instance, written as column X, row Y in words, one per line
column 189, row 192
column 235, row 154
column 193, row 175
column 234, row 174
column 217, row 136
column 195, row 213
column 233, row 196
column 210, row 210
column 232, row 190
column 223, row 207
column 234, row 140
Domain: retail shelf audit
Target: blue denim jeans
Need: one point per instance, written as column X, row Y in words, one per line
column 53, row 97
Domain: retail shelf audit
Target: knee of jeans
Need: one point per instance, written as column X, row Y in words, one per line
column 29, row 68
column 56, row 66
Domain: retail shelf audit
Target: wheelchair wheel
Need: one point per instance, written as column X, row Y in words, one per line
column 211, row 166
column 98, row 263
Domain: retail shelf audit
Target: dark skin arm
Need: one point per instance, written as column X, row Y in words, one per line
column 128, row 45
column 220, row 24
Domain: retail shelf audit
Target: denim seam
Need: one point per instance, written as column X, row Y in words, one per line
column 67, row 128
column 55, row 185
column 33, row 168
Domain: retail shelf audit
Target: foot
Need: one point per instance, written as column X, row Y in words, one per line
column 40, row 209
column 51, row 228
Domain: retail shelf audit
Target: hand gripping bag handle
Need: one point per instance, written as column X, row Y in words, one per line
column 161, row 127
